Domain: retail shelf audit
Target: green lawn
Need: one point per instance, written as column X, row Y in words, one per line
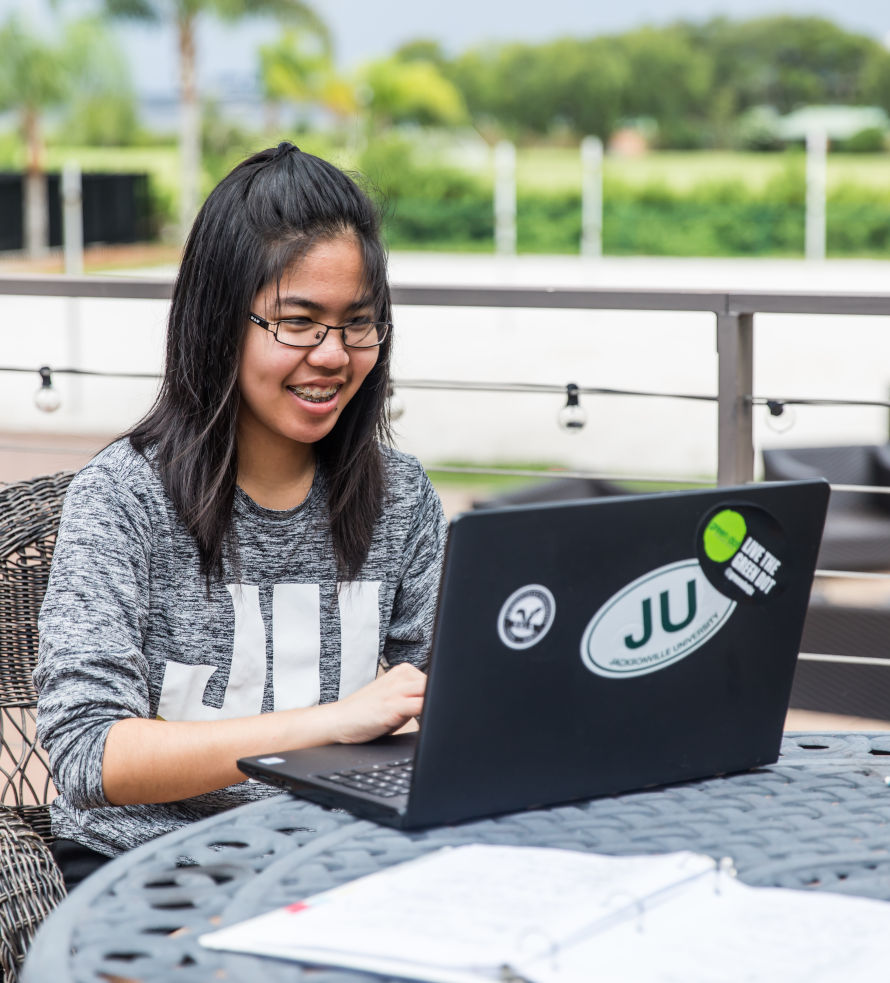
column 459, row 490
column 161, row 163
column 544, row 227
column 540, row 168
column 491, row 482
column 559, row 168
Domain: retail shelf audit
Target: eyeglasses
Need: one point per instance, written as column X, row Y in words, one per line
column 301, row 332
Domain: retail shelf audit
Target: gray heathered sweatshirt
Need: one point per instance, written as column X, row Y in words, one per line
column 127, row 629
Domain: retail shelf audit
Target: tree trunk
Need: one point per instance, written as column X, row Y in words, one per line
column 36, row 209
column 272, row 117
column 190, row 125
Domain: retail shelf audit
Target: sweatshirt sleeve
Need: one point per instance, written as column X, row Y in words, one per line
column 414, row 606
column 91, row 671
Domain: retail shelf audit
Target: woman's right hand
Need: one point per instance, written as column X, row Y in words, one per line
column 381, row 707
column 167, row 760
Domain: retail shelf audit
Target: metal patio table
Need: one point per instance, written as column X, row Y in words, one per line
column 818, row 819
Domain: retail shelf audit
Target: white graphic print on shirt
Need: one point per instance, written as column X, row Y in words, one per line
column 296, row 651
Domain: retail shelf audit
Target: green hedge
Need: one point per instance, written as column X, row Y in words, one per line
column 686, row 227
column 456, row 223
column 717, row 220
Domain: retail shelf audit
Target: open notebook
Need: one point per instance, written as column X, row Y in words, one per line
column 480, row 913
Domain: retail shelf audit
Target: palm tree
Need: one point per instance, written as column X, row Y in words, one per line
column 298, row 67
column 38, row 74
column 183, row 15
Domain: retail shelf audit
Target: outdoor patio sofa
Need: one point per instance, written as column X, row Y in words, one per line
column 856, row 537
column 857, row 530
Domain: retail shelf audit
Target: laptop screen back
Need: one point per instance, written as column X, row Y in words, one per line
column 593, row 647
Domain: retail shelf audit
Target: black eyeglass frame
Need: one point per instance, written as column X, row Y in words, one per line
column 272, row 326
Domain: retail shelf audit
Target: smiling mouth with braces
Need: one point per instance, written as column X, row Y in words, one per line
column 313, row 395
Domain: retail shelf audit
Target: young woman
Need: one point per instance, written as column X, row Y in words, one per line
column 230, row 576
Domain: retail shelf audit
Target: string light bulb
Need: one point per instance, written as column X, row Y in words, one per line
column 572, row 417
column 780, row 418
column 47, row 397
column 396, row 405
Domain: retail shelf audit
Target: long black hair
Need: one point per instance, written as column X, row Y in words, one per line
column 259, row 220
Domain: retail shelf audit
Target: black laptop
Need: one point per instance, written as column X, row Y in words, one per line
column 588, row 648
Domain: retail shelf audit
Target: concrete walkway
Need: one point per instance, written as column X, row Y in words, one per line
column 26, row 455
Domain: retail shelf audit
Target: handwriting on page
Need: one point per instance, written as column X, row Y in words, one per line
column 475, row 906
column 559, row 916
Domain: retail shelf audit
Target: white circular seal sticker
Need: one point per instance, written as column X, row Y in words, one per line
column 526, row 616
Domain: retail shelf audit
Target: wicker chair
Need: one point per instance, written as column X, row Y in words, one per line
column 30, row 882
column 30, row 887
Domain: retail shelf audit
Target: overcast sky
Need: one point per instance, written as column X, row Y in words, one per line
column 370, row 28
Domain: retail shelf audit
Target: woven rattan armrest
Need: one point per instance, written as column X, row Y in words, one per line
column 31, row 886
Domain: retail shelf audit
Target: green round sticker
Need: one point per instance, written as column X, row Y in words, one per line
column 724, row 534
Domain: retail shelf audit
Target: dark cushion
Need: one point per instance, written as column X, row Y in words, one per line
column 880, row 459
column 782, row 465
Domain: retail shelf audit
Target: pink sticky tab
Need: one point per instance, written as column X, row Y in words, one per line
column 297, row 906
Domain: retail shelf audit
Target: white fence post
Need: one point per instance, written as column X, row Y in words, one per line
column 72, row 218
column 817, row 149
column 72, row 244
column 505, row 198
column 591, row 196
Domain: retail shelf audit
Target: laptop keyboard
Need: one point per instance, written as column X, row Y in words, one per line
column 385, row 780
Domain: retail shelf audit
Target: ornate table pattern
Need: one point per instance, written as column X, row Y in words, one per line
column 817, row 819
